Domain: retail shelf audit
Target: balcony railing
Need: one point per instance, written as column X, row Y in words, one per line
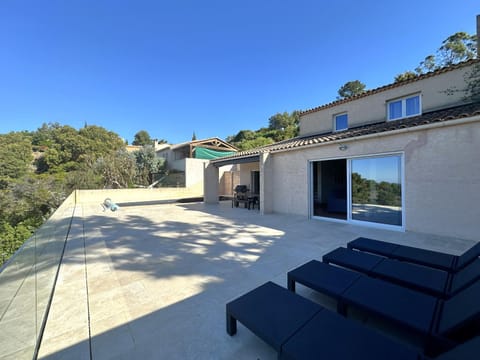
column 27, row 284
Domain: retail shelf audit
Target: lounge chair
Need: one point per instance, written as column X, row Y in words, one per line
column 440, row 324
column 298, row 328
column 438, row 260
column 276, row 315
column 418, row 277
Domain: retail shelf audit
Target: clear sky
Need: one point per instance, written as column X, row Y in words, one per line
column 210, row 67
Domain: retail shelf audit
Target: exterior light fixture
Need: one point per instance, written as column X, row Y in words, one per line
column 343, row 147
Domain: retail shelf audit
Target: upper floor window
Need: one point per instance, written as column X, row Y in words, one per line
column 340, row 122
column 404, row 107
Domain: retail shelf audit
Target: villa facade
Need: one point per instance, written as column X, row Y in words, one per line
column 404, row 156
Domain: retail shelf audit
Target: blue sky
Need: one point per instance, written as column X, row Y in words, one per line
column 210, row 67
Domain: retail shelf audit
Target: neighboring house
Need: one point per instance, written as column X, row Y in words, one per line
column 190, row 158
column 133, row 148
column 205, row 149
column 404, row 156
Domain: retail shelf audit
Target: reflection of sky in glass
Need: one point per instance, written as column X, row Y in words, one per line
column 378, row 169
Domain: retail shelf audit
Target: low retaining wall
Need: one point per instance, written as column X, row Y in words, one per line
column 137, row 195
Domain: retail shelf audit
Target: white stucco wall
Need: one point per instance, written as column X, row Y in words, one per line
column 442, row 176
column 194, row 171
column 371, row 109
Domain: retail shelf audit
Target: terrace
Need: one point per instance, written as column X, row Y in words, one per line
column 152, row 280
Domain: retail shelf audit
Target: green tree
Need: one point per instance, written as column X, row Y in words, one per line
column 407, row 75
column 117, row 170
column 351, row 88
column 427, row 65
column 454, row 49
column 457, row 48
column 24, row 205
column 68, row 149
column 142, row 138
column 147, row 163
column 281, row 121
column 69, row 159
column 281, row 126
column 15, row 155
column 100, row 141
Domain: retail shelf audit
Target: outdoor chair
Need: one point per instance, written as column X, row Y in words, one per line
column 240, row 195
column 298, row 328
column 432, row 281
column 435, row 259
column 439, row 324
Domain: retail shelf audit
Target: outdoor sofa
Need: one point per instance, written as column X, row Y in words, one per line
column 299, row 329
column 439, row 324
column 435, row 259
column 432, row 281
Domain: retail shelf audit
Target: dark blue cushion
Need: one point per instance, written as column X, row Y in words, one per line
column 329, row 336
column 272, row 313
column 355, row 260
column 460, row 310
column 417, row 277
column 465, row 277
column 469, row 350
column 468, row 256
column 425, row 257
column 324, row 278
column 403, row 306
column 371, row 245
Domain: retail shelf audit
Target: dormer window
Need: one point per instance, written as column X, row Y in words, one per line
column 404, row 107
column 340, row 122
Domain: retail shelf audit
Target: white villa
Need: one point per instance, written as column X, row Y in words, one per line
column 404, row 156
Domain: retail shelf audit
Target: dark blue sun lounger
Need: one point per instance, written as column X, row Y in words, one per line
column 418, row 277
column 439, row 323
column 438, row 260
column 299, row 329
column 286, row 321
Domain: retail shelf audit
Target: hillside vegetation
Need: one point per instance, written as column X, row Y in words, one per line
column 39, row 169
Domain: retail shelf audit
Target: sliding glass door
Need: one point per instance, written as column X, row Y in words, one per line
column 376, row 194
column 330, row 189
column 367, row 189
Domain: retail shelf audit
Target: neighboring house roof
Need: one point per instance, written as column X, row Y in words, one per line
column 391, row 86
column 444, row 115
column 212, row 143
column 132, row 148
column 160, row 147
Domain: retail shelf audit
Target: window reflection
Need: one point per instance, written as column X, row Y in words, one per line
column 377, row 190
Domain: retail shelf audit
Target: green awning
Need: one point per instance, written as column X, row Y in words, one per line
column 209, row 154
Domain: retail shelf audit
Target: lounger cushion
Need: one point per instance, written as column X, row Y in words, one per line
column 371, row 245
column 468, row 256
column 356, row 260
column 417, row 277
column 443, row 261
column 403, row 306
column 330, row 336
column 460, row 310
column 463, row 278
column 421, row 278
column 324, row 278
column 272, row 313
column 425, row 257
column 469, row 350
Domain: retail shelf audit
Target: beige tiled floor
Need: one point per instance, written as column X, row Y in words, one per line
column 151, row 282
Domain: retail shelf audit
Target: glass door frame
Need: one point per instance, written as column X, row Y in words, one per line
column 349, row 191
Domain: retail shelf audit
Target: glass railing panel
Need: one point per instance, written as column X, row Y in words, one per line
column 27, row 281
